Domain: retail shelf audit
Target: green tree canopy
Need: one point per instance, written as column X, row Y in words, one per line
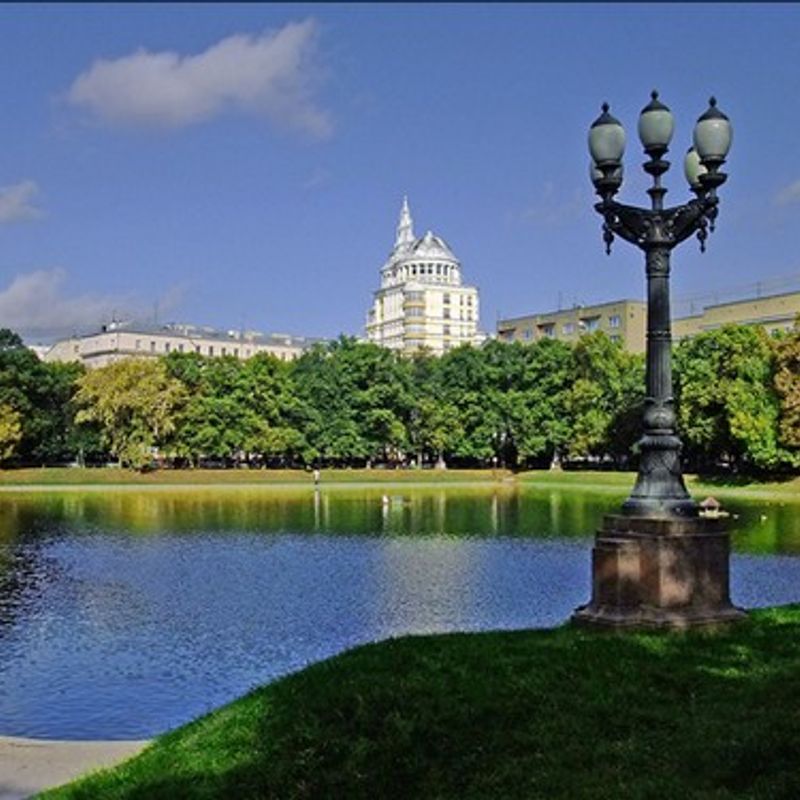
column 787, row 385
column 10, row 431
column 728, row 404
column 135, row 402
column 605, row 400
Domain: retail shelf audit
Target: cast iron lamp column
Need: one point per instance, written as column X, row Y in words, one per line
column 658, row 563
column 659, row 488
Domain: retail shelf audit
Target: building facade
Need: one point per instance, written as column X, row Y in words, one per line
column 422, row 302
column 623, row 320
column 775, row 313
column 117, row 341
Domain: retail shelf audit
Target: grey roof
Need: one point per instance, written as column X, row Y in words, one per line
column 206, row 332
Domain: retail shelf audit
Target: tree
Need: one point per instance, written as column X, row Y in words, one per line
column 270, row 394
column 135, row 402
column 728, row 406
column 434, row 428
column 213, row 422
column 10, row 340
column 466, row 386
column 358, row 399
column 240, row 409
column 10, row 431
column 787, row 385
column 41, row 393
column 538, row 405
column 605, row 401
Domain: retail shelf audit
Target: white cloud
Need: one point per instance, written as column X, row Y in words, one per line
column 318, row 178
column 272, row 75
column 789, row 194
column 552, row 209
column 34, row 303
column 16, row 202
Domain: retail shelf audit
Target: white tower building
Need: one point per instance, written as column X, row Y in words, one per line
column 421, row 302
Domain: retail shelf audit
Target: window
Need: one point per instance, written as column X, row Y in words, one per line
column 527, row 334
column 236, row 352
column 415, row 312
column 446, row 330
column 548, row 330
column 211, row 349
column 615, row 337
column 152, row 347
column 197, row 348
column 138, row 344
column 446, row 298
column 180, row 348
column 224, row 351
column 438, row 269
column 76, row 348
column 167, row 347
column 446, row 313
column 614, row 321
column 568, row 328
column 590, row 324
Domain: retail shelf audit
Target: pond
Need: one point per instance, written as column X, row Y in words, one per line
column 126, row 612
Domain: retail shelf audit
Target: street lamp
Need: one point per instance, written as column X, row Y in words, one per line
column 659, row 563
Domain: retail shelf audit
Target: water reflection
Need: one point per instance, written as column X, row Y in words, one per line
column 758, row 526
column 481, row 511
column 124, row 613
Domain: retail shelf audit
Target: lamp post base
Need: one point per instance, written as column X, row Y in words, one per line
column 660, row 572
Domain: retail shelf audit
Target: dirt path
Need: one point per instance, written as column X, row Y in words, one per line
column 28, row 766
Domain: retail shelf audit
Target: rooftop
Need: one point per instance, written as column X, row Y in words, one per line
column 191, row 331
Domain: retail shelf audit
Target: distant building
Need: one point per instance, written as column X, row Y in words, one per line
column 118, row 340
column 623, row 320
column 422, row 302
column 41, row 350
column 774, row 313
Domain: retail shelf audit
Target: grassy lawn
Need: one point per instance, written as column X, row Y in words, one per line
column 550, row 714
column 622, row 482
column 58, row 476
column 617, row 482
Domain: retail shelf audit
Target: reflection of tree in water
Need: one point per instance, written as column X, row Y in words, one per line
column 26, row 569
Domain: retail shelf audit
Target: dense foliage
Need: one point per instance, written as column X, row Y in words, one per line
column 348, row 403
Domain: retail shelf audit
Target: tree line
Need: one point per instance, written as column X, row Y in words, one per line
column 348, row 404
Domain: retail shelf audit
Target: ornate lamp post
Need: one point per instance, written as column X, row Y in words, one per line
column 658, row 563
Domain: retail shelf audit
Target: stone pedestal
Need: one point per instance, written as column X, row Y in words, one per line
column 650, row 572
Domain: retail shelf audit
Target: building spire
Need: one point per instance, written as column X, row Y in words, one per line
column 405, row 228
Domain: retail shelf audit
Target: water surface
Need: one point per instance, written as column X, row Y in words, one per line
column 124, row 613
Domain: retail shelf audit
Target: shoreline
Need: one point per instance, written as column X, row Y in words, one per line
column 413, row 728
column 58, row 480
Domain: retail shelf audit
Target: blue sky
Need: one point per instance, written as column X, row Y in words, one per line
column 244, row 165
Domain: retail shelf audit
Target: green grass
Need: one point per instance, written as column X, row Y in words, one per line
column 561, row 713
column 622, row 482
column 608, row 482
column 63, row 476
